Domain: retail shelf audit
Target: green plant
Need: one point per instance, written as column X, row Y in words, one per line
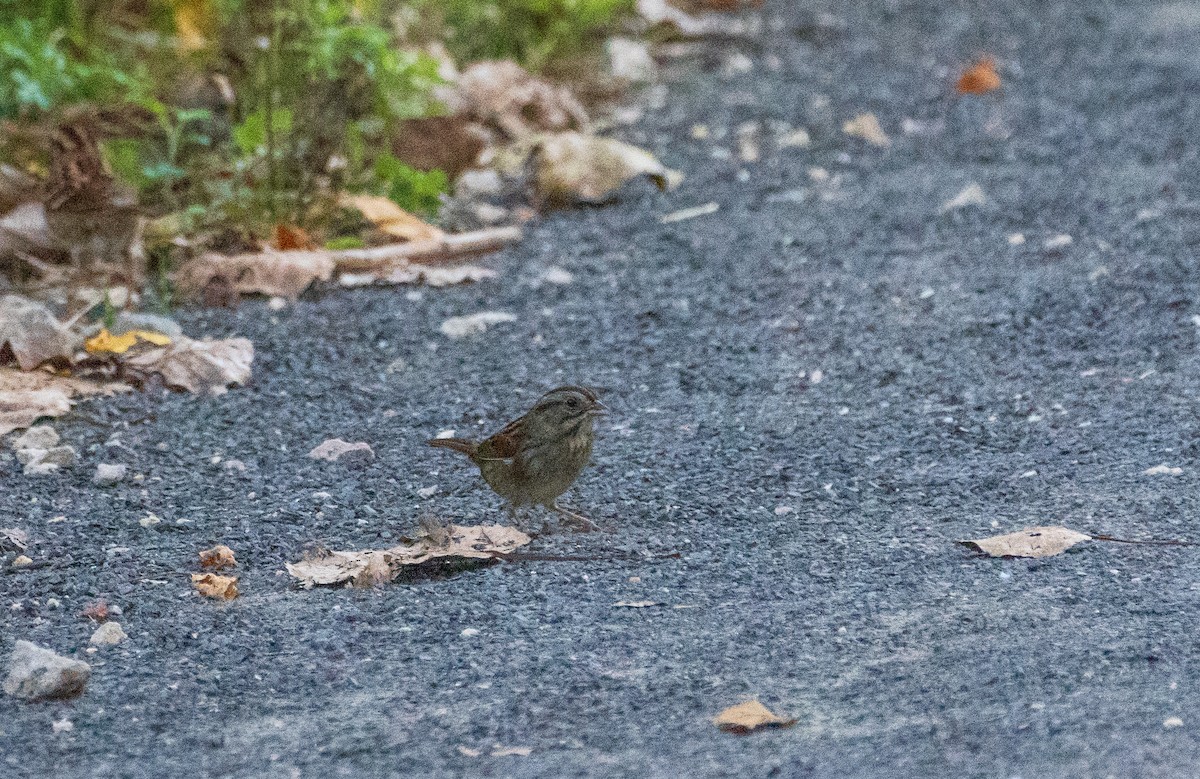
column 532, row 32
column 414, row 190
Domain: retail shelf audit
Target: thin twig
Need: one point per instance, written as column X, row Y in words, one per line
column 1169, row 542
column 521, row 557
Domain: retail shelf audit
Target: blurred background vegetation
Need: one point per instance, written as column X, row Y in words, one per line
column 257, row 112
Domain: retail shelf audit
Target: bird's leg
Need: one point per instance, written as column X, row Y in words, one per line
column 575, row 517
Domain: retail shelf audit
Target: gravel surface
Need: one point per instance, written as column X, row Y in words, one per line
column 816, row 390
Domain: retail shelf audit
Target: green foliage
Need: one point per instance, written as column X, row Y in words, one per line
column 411, row 189
column 41, row 73
column 530, row 31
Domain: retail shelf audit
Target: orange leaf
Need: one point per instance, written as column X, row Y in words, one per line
column 980, row 78
column 292, row 237
column 217, row 558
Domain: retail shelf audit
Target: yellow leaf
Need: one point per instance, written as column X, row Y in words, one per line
column 106, row 342
column 391, row 218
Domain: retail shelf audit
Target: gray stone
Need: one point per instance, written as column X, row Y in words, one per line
column 35, row 673
column 336, row 450
column 478, row 185
column 62, row 456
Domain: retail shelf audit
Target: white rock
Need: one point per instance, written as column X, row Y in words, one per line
column 478, row 184
column 474, row 324
column 63, row 725
column 630, row 60
column 21, row 561
column 108, row 474
column 35, row 673
column 556, row 275
column 1056, row 242
column 37, row 437
column 335, row 449
column 469, row 632
column 150, row 520
column 108, row 634
column 39, row 469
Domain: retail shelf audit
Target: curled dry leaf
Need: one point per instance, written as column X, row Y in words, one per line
column 980, row 78
column 504, row 95
column 391, row 219
column 32, row 333
column 199, row 366
column 218, row 558
column 748, row 717
column 1030, row 542
column 283, row 274
column 867, row 127
column 370, row 567
column 474, row 324
column 27, row 397
column 577, row 168
column 210, row 585
column 105, row 342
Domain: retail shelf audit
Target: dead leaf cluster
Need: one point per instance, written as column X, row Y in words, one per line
column 369, row 568
column 212, row 585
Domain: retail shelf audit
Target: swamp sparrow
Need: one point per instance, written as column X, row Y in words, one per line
column 537, row 457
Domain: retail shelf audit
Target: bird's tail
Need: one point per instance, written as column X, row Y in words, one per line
column 457, row 444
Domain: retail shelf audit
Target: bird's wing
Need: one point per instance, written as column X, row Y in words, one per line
column 504, row 445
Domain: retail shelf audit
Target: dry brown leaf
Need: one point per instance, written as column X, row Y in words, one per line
column 391, row 218
column 867, row 127
column 289, row 237
column 27, row 397
column 24, row 229
column 980, row 78
column 577, row 168
column 369, row 567
column 282, row 274
column 218, row 558
column 97, row 611
column 504, row 95
column 1030, row 542
column 32, row 333
column 199, row 366
column 448, row 143
column 210, row 585
column 748, row 717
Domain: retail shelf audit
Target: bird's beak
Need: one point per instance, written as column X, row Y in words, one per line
column 598, row 409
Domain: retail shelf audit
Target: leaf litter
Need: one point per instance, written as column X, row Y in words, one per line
column 368, row 567
column 1042, row 541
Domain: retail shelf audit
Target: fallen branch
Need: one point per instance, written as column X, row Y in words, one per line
column 450, row 247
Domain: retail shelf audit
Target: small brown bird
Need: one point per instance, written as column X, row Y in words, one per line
column 537, row 457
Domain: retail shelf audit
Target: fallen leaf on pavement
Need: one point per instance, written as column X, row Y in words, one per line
column 27, row 397
column 105, row 342
column 1030, row 542
column 474, row 324
column 980, row 78
column 210, row 585
column 504, row 95
column 218, row 558
column 577, row 168
column 391, row 219
column 748, row 717
column 32, row 333
column 97, row 611
column 284, row 274
column 866, row 126
column 369, row 567
column 198, row 366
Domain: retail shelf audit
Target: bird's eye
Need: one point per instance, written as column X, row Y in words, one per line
column 573, row 402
